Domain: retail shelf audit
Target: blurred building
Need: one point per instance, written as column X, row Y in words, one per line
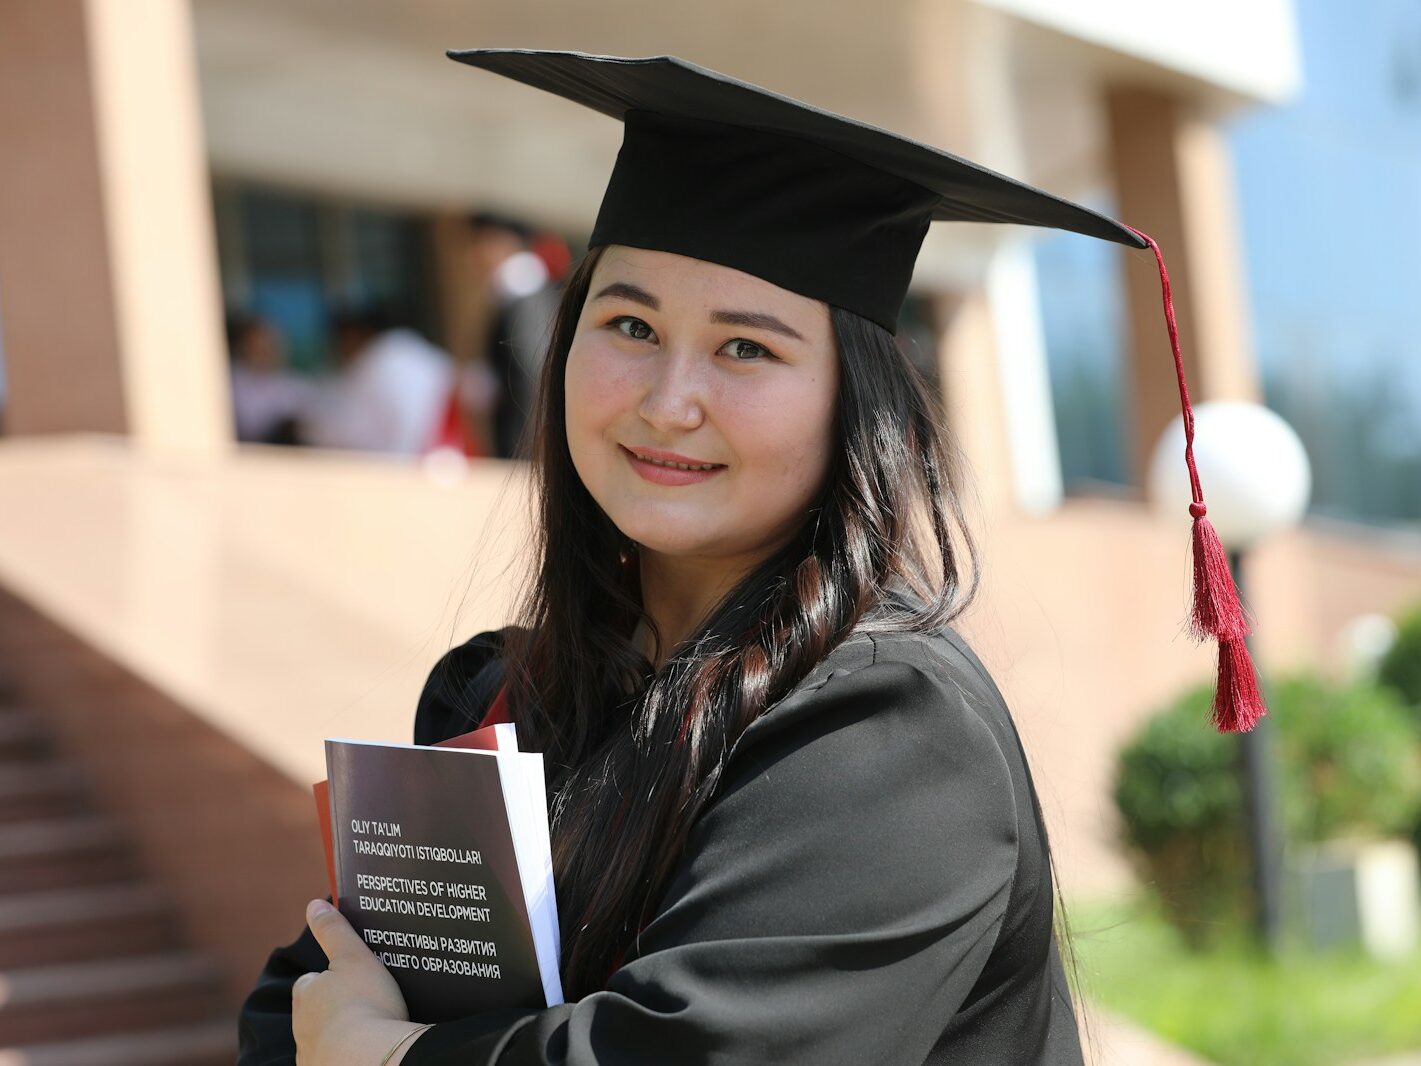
column 194, row 617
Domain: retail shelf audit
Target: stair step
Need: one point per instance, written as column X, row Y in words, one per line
column 89, row 999
column 210, row 1044
column 48, row 789
column 51, row 853
column 22, row 736
column 72, row 925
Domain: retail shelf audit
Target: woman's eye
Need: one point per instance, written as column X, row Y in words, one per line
column 636, row 328
column 740, row 346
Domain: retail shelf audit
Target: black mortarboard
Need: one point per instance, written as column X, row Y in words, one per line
column 725, row 171
column 820, row 204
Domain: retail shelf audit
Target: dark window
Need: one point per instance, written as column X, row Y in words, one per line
column 293, row 257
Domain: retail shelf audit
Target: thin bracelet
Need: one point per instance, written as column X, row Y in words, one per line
column 402, row 1039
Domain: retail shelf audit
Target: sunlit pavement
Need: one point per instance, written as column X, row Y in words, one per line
column 1116, row 1041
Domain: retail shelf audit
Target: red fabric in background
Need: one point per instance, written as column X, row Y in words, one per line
column 453, row 430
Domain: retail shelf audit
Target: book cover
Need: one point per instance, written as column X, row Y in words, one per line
column 488, row 738
column 440, row 859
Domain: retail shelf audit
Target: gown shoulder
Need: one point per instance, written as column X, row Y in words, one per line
column 865, row 886
column 460, row 687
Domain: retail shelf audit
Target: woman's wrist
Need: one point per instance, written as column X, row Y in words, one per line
column 397, row 1037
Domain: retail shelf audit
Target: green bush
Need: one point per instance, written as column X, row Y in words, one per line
column 1400, row 667
column 1400, row 671
column 1347, row 764
column 1351, row 760
column 1180, row 806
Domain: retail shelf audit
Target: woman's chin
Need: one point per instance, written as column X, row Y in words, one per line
column 673, row 539
column 671, row 547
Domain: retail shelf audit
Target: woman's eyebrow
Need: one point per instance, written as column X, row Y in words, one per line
column 627, row 291
column 755, row 319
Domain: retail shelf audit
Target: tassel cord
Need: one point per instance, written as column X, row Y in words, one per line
column 1216, row 611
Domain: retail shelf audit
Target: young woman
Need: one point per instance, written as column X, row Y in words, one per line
column 792, row 819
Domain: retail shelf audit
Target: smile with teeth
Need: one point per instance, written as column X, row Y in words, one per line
column 678, row 466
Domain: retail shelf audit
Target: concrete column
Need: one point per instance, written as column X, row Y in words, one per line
column 972, row 398
column 1174, row 181
column 62, row 365
column 108, row 269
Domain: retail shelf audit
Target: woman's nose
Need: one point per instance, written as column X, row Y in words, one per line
column 674, row 397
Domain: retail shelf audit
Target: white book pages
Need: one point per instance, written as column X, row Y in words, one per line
column 506, row 735
column 549, row 949
column 521, row 775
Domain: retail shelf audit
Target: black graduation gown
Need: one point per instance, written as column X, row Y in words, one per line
column 870, row 885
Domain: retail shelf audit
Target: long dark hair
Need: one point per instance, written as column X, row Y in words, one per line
column 634, row 755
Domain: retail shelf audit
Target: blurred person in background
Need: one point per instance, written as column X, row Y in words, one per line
column 523, row 294
column 390, row 391
column 267, row 398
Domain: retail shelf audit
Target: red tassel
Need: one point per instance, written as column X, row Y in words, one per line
column 1237, row 702
column 1216, row 611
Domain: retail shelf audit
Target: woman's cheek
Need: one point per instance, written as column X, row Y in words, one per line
column 581, row 418
column 789, row 438
column 584, row 398
column 602, row 382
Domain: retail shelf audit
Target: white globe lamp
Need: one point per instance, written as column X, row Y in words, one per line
column 1253, row 470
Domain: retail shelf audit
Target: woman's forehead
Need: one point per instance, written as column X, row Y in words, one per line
column 673, row 277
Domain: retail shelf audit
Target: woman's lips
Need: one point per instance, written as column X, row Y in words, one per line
column 668, row 475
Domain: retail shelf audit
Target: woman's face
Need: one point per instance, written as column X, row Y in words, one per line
column 678, row 355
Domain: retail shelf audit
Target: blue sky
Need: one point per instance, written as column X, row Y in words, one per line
column 1330, row 193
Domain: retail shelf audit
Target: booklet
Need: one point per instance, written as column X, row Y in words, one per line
column 440, row 858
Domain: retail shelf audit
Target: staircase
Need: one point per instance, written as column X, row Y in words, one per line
column 93, row 971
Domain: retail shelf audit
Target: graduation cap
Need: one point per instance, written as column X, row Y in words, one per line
column 721, row 170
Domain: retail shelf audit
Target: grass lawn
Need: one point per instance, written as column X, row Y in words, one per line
column 1235, row 1007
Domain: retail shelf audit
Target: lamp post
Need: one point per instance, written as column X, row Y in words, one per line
column 1257, row 481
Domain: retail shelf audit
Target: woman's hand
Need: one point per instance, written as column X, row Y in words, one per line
column 351, row 1013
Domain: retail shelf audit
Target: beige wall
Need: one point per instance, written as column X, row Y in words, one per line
column 1084, row 624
